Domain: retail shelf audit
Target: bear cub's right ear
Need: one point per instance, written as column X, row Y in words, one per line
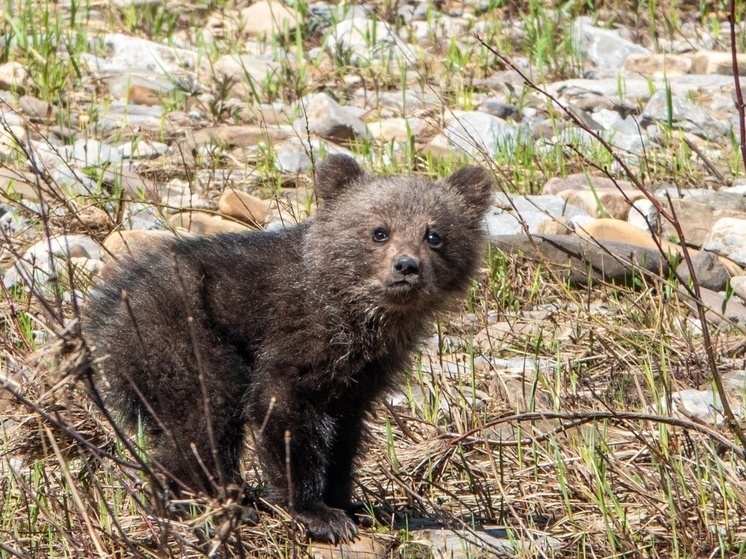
column 335, row 174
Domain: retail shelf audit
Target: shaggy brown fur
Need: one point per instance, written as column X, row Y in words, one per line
column 297, row 332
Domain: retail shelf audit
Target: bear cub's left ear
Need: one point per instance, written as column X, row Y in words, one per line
column 335, row 174
column 475, row 185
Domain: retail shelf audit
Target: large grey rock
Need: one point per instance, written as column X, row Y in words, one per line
column 125, row 54
column 709, row 271
column 581, row 260
column 479, row 134
column 487, row 541
column 705, row 405
column 728, row 238
column 685, row 116
column 720, row 309
column 366, row 39
column 323, row 116
column 604, row 47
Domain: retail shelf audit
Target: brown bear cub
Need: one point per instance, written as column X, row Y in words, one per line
column 297, row 333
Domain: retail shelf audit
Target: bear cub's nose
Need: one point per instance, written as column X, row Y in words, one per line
column 407, row 266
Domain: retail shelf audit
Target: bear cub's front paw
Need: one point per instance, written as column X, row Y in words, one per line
column 325, row 524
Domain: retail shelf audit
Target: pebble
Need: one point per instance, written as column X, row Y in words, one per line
column 323, row 116
column 268, row 18
column 244, row 207
column 14, row 77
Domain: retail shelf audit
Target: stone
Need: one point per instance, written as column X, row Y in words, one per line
column 604, row 47
column 481, row 135
column 93, row 153
column 203, row 223
column 727, row 237
column 36, row 108
column 738, row 284
column 244, row 207
column 712, row 62
column 266, row 17
column 581, row 261
column 23, row 184
column 497, row 107
column 685, row 116
column 697, row 215
column 364, row 547
column 118, row 114
column 11, row 222
column 141, row 149
column 721, row 310
column 602, row 203
column 708, row 270
column 619, row 231
column 138, row 87
column 242, row 67
column 322, row 115
column 126, row 53
column 47, row 258
column 366, row 40
column 512, row 215
column 583, row 181
column 237, row 136
column 644, row 215
column 12, row 140
column 659, row 64
column 293, row 156
column 402, row 130
column 485, row 541
column 15, row 77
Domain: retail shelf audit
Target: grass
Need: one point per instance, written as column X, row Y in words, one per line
column 541, row 408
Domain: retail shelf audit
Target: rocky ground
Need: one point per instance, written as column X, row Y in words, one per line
column 615, row 282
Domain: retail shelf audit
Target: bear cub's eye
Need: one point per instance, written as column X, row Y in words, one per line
column 433, row 239
column 380, row 235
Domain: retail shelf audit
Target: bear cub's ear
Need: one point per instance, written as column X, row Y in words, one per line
column 335, row 174
column 475, row 185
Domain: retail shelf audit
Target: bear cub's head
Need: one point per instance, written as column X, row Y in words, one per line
column 397, row 244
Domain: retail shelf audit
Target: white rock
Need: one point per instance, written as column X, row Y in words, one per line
column 479, row 134
column 604, row 47
column 643, row 215
column 14, row 76
column 125, row 54
column 728, row 238
column 241, row 66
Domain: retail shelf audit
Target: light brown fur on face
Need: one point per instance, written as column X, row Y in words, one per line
column 296, row 333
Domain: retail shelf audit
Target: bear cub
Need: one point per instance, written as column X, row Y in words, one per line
column 296, row 333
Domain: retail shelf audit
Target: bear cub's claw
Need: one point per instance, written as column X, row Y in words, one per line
column 325, row 524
